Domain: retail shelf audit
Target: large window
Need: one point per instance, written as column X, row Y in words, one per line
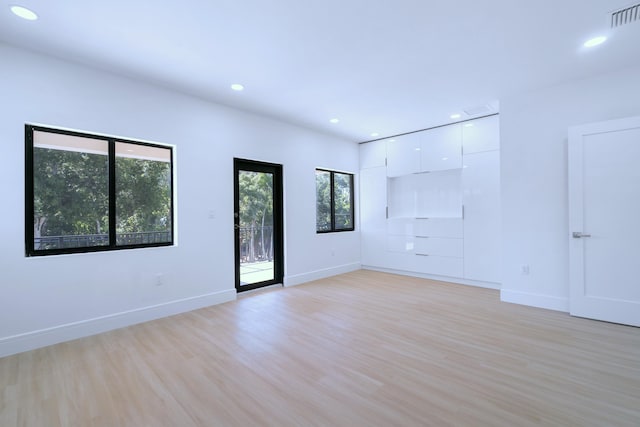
column 334, row 201
column 92, row 193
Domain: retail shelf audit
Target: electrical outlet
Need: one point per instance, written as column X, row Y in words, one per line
column 524, row 269
column 159, row 279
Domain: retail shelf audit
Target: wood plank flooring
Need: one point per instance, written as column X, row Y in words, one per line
column 360, row 349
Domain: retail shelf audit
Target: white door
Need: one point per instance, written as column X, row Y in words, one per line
column 604, row 211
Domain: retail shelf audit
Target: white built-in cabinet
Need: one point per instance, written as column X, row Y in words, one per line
column 373, row 154
column 430, row 202
column 425, row 151
column 373, row 201
column 403, row 155
column 441, row 149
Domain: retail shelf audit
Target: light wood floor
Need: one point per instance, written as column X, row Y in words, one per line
column 361, row 349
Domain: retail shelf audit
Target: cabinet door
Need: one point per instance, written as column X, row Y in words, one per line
column 373, row 207
column 373, row 154
column 482, row 230
column 481, row 135
column 403, row 155
column 441, row 149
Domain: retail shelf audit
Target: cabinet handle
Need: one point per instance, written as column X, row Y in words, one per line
column 422, row 254
column 421, row 237
column 579, row 235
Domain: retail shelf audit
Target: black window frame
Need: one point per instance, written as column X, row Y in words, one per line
column 333, row 228
column 111, row 140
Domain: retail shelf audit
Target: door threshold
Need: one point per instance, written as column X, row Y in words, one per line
column 267, row 288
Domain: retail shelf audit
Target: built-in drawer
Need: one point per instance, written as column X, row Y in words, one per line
column 439, row 246
column 401, row 226
column 396, row 243
column 438, row 227
column 438, row 265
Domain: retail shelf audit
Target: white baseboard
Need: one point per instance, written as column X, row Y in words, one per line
column 460, row 281
column 535, row 300
column 71, row 331
column 298, row 279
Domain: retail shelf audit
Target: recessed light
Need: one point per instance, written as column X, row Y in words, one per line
column 24, row 13
column 237, row 87
column 375, row 134
column 455, row 116
column 417, row 149
column 595, row 41
column 334, row 120
column 468, row 125
column 445, row 158
column 392, row 140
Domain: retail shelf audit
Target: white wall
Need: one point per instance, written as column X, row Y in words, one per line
column 48, row 299
column 534, row 179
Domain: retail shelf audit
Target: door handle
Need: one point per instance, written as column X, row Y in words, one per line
column 579, row 235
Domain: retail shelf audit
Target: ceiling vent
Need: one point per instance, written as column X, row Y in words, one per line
column 478, row 111
column 625, row 15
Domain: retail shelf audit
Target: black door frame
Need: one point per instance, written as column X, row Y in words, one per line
column 278, row 223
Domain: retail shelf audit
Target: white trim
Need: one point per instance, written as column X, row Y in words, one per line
column 298, row 279
column 71, row 331
column 549, row 302
column 457, row 280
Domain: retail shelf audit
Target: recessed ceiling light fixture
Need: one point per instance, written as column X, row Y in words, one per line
column 375, row 134
column 237, row 87
column 335, row 120
column 595, row 41
column 455, row 116
column 468, row 125
column 24, row 13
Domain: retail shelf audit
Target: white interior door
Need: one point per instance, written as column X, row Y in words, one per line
column 604, row 221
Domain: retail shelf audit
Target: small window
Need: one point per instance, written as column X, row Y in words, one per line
column 334, row 201
column 91, row 193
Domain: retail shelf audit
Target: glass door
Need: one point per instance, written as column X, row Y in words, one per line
column 258, row 224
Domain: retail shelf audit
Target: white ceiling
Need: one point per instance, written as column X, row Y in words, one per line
column 386, row 66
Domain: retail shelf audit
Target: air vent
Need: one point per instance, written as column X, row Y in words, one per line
column 478, row 111
column 625, row 15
